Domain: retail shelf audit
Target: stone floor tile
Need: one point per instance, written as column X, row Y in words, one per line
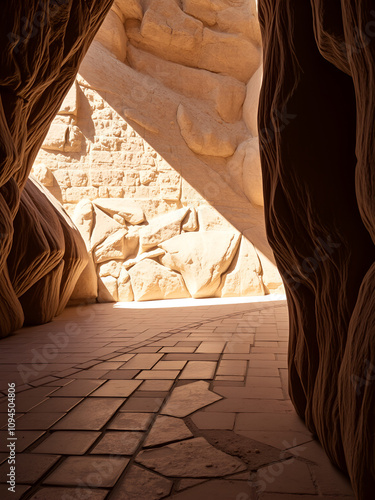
column 91, row 471
column 131, row 421
column 232, row 367
column 24, row 440
column 187, row 483
column 118, row 443
column 156, row 385
column 166, row 430
column 198, row 370
column 67, row 442
column 91, row 414
column 56, row 405
column 29, row 468
column 329, row 479
column 219, row 490
column 178, row 349
column 123, row 357
column 170, row 365
column 56, row 493
column 279, row 439
column 211, row 347
column 20, row 490
column 142, row 362
column 188, row 398
column 263, row 372
column 141, row 484
column 117, row 388
column 120, row 374
column 109, row 365
column 142, row 405
column 213, row 420
column 288, row 496
column 176, row 460
column 289, row 476
column 263, row 382
column 78, row 388
column 37, row 421
column 59, row 382
column 270, row 422
column 233, row 378
column 30, row 398
column 237, row 348
column 191, row 357
column 158, row 374
column 252, row 392
column 240, row 405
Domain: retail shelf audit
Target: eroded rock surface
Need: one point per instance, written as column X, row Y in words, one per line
column 36, row 75
column 323, row 232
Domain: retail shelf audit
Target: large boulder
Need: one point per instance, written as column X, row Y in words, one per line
column 151, row 281
column 201, row 258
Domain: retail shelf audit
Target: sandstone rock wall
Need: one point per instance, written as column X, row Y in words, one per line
column 41, row 252
column 318, row 174
column 163, row 115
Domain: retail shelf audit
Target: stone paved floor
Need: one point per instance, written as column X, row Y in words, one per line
column 180, row 399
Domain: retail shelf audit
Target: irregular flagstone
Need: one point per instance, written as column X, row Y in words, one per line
column 188, row 398
column 166, row 430
column 252, row 452
column 190, row 458
column 141, row 484
column 221, row 490
column 127, row 209
column 201, row 258
column 161, row 228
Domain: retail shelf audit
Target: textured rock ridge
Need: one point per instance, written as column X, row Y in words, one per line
column 317, row 149
column 42, row 45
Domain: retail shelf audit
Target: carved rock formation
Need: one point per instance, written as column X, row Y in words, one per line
column 316, row 115
column 35, row 76
column 160, row 124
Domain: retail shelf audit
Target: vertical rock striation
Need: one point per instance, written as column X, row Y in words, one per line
column 316, row 118
column 42, row 44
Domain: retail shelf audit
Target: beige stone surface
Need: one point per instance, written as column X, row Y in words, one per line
column 226, row 93
column 201, row 258
column 153, row 254
column 103, row 227
column 112, row 247
column 250, row 106
column 157, row 137
column 112, row 35
column 128, row 209
column 124, row 287
column 161, row 229
column 83, row 218
column 244, row 276
column 205, row 136
column 151, row 281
